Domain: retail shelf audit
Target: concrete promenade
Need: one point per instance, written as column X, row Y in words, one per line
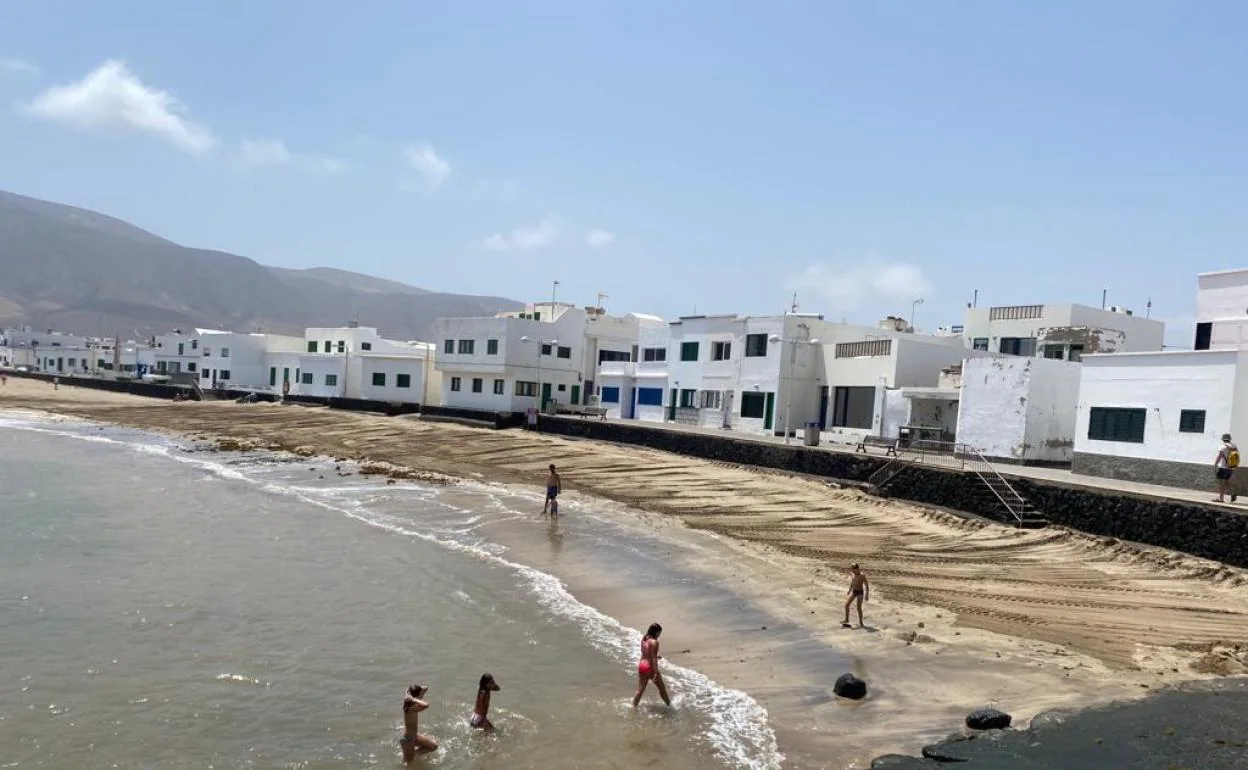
column 1056, row 475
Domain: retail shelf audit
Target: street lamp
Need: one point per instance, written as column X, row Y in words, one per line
column 540, row 343
column 913, row 306
column 788, row 400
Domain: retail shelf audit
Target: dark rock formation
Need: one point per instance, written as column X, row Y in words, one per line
column 988, row 719
column 850, row 686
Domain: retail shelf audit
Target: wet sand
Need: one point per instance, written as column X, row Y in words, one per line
column 963, row 613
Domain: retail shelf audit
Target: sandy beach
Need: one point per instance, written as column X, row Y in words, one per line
column 963, row 613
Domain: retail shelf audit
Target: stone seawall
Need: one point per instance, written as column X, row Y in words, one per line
column 1207, row 531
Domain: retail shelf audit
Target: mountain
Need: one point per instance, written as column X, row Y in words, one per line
column 80, row 271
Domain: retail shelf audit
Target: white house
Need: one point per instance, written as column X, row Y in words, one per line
column 1222, row 310
column 239, row 360
column 1158, row 417
column 356, row 362
column 177, row 352
column 501, row 363
column 48, row 351
column 1066, row 332
column 635, row 388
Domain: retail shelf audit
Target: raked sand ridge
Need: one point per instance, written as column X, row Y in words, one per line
column 1080, row 618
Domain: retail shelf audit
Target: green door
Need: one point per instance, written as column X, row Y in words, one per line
column 671, row 409
column 576, row 394
column 768, row 409
column 545, row 394
column 272, row 376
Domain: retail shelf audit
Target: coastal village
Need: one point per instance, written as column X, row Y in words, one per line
column 1063, row 385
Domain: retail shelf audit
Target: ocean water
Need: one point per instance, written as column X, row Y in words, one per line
column 167, row 608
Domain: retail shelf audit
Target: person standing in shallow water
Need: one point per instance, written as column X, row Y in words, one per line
column 553, row 486
column 480, row 718
column 859, row 591
column 648, row 666
column 412, row 742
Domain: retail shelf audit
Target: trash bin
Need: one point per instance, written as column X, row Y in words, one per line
column 812, row 434
column 904, row 437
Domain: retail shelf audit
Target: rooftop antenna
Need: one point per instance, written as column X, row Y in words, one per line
column 601, row 297
column 1104, row 294
column 793, row 307
column 1148, row 308
column 975, row 299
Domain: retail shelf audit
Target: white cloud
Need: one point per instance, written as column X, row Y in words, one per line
column 424, row 160
column 273, row 152
column 112, row 97
column 864, row 284
column 597, row 238
column 523, row 238
column 19, row 66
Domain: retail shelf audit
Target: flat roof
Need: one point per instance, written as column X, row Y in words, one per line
column 1224, row 272
column 1141, row 353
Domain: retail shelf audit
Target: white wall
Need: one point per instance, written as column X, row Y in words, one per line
column 1141, row 334
column 1222, row 296
column 1163, row 384
column 1019, row 408
column 392, row 367
column 317, row 366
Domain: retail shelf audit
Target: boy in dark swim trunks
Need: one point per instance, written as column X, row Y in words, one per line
column 480, row 718
column 553, row 486
column 859, row 591
column 413, row 742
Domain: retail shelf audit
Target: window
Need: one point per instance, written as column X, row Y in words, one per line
column 465, row 347
column 1192, row 421
column 379, row 380
column 688, row 398
column 478, row 385
column 331, row 380
column 613, row 355
column 650, row 397
column 562, row 388
column 654, row 354
column 545, row 350
column 311, row 346
column 455, row 383
column 1076, row 353
column 448, row 347
column 1111, row 424
column 1018, row 346
column 500, row 387
column 853, row 407
column 402, row 380
column 755, row 345
column 272, row 376
column 721, row 351
column 610, row 395
column 305, row 378
column 329, row 346
column 863, row 349
column 1204, row 333
column 753, row 404
column 70, row 362
column 190, row 367
column 491, row 347
column 342, row 346
column 710, row 399
column 1057, row 352
column 366, row 346
column 205, row 375
column 564, row 352
column 526, row 388
column 194, row 345
column 980, row 343
column 207, row 352
column 180, row 352
column 225, row 352
column 688, row 351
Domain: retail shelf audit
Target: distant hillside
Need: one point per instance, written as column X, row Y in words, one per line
column 77, row 270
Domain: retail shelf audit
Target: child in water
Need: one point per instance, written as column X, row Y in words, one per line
column 480, row 718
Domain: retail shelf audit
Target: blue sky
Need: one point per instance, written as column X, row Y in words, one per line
column 700, row 156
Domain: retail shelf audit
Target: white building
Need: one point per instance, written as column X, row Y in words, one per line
column 239, row 360
column 1065, row 332
column 177, row 352
column 1158, row 417
column 501, row 363
column 48, row 351
column 355, row 362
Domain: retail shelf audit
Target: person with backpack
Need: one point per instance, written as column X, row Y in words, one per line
column 1224, row 466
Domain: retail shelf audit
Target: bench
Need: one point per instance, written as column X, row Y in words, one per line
column 582, row 411
column 889, row 444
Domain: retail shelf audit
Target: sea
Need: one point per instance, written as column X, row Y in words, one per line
column 162, row 606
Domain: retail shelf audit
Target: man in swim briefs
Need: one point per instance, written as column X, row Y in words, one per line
column 859, row 591
column 413, row 742
column 553, row 487
column 480, row 718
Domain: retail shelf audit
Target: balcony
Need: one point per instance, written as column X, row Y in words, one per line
column 617, row 369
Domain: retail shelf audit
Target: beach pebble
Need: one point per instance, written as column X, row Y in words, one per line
column 988, row 719
column 850, row 686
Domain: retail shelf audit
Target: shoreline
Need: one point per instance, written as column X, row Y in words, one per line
column 930, row 661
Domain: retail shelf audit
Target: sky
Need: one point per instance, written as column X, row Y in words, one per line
column 680, row 158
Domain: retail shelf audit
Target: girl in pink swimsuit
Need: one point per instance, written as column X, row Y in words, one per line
column 648, row 666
